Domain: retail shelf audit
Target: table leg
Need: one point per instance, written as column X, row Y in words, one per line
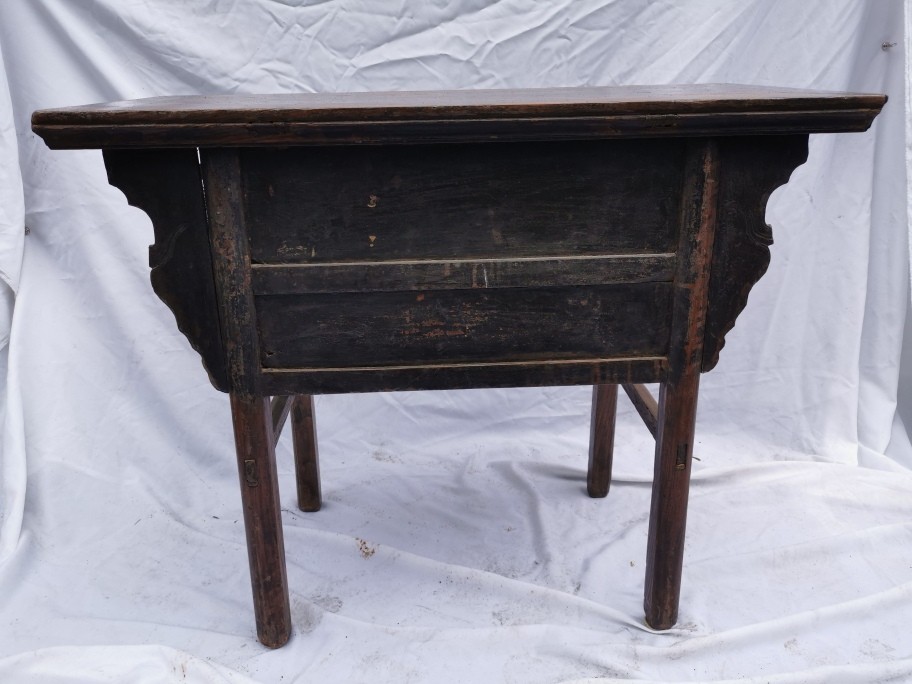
column 252, row 420
column 670, row 487
column 307, row 460
column 677, row 410
column 601, row 439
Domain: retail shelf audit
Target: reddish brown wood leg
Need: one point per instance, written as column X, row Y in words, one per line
column 307, row 460
column 668, row 516
column 677, row 410
column 601, row 439
column 262, row 517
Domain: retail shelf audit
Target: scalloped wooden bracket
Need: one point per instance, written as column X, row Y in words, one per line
column 167, row 186
column 752, row 168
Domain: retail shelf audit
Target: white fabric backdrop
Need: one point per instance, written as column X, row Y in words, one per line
column 122, row 555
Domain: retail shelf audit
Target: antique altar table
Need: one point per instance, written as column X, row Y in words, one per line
column 399, row 241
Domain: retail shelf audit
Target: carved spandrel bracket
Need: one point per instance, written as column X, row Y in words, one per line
column 752, row 168
column 166, row 185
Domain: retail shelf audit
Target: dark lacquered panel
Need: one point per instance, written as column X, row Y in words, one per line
column 312, row 205
column 389, row 328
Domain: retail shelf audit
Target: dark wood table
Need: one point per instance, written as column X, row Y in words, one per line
column 397, row 241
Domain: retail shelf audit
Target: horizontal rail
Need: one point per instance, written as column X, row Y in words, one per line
column 461, row 274
column 463, row 375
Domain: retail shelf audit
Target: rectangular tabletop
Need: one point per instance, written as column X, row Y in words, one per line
column 456, row 115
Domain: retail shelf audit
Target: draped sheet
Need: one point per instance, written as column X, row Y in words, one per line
column 456, row 542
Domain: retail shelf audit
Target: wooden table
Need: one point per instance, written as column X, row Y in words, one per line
column 397, row 241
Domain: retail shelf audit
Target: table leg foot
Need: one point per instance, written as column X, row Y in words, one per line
column 307, row 460
column 252, row 420
column 601, row 439
column 668, row 516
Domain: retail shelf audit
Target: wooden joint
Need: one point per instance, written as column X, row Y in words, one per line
column 250, row 473
column 681, row 458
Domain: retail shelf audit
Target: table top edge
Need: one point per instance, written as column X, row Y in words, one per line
column 372, row 112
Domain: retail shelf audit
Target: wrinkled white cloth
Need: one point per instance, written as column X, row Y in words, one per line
column 456, row 543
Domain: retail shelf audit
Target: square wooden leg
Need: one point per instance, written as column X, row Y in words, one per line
column 601, row 439
column 677, row 409
column 670, row 487
column 307, row 460
column 253, row 437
